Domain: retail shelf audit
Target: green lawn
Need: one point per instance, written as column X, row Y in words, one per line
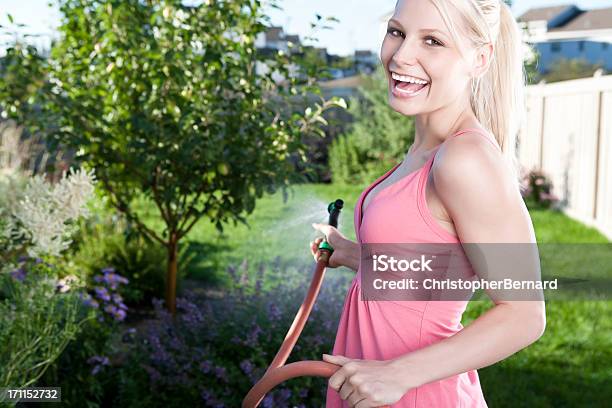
column 277, row 230
column 571, row 365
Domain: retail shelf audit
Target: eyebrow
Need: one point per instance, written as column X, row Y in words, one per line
column 424, row 30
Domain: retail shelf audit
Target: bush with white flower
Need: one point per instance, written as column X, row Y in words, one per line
column 40, row 219
column 39, row 312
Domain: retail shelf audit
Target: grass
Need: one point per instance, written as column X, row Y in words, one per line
column 278, row 232
column 570, row 365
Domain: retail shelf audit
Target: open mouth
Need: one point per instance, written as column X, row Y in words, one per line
column 406, row 85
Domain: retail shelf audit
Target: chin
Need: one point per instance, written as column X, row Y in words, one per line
column 405, row 108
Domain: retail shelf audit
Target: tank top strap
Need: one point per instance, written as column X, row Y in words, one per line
column 479, row 131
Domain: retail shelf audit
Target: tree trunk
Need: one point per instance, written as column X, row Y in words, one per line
column 171, row 275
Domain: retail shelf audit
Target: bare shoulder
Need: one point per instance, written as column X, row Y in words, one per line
column 479, row 192
column 470, row 160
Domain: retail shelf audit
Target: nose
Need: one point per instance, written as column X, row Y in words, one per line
column 406, row 54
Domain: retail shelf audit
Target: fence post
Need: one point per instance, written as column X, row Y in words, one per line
column 542, row 130
column 597, row 152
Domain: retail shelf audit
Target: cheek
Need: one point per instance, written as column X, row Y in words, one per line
column 448, row 78
column 386, row 52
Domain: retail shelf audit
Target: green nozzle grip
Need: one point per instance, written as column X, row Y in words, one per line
column 325, row 245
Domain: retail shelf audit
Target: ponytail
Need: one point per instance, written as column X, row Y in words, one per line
column 498, row 99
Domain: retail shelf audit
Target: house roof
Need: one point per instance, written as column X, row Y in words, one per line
column 293, row 38
column 595, row 19
column 543, row 13
column 274, row 33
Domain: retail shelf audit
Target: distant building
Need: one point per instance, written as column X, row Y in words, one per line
column 275, row 38
column 569, row 32
column 366, row 61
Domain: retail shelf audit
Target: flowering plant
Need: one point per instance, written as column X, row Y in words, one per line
column 39, row 219
column 216, row 347
column 537, row 187
column 39, row 316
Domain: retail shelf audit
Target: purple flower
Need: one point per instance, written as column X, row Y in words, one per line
column 110, row 278
column 206, row 396
column 246, row 366
column 102, row 293
column 221, row 373
column 231, row 269
column 206, row 366
column 254, row 335
column 154, row 375
column 89, row 301
column 99, row 362
column 117, row 313
column 18, row 274
column 284, row 394
column 128, row 336
column 275, row 312
column 268, row 402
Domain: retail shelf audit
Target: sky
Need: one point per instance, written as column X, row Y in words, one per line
column 358, row 27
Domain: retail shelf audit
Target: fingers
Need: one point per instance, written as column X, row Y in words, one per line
column 324, row 228
column 346, row 390
column 314, row 245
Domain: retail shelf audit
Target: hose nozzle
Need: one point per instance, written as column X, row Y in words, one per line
column 334, row 211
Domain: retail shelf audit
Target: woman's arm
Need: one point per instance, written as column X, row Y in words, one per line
column 500, row 332
column 486, row 207
column 351, row 254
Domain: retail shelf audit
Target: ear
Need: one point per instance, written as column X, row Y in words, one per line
column 482, row 59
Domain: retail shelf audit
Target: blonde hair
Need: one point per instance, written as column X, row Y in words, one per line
column 497, row 97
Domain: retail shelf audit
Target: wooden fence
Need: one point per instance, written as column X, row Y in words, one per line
column 568, row 135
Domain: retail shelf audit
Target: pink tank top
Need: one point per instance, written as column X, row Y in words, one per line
column 382, row 330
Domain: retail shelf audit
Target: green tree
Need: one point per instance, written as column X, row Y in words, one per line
column 166, row 102
column 530, row 63
column 378, row 139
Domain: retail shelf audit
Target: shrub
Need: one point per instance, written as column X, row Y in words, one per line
column 378, row 139
column 83, row 370
column 217, row 348
column 537, row 189
column 38, row 317
column 106, row 240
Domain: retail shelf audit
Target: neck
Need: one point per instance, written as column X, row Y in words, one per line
column 433, row 128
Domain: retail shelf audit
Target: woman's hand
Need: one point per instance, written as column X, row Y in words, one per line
column 366, row 383
column 346, row 252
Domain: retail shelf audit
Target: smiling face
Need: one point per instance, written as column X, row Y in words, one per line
column 420, row 49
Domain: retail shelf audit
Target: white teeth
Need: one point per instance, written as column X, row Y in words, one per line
column 405, row 78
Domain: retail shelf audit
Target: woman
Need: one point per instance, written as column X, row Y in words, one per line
column 456, row 67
